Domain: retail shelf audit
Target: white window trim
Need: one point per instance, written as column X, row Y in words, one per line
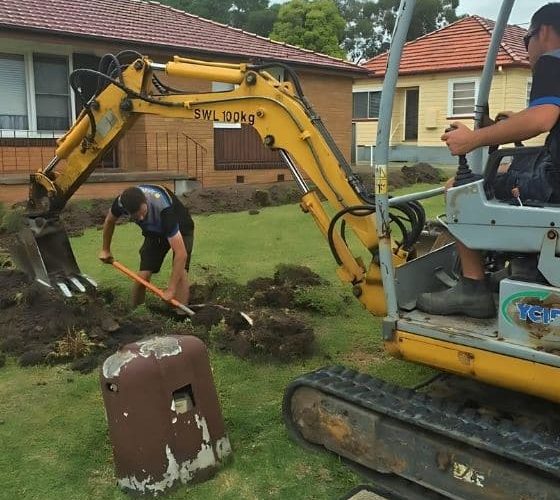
column 366, row 88
column 529, row 82
column 450, row 84
column 27, row 49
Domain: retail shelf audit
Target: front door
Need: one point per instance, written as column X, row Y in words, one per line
column 411, row 115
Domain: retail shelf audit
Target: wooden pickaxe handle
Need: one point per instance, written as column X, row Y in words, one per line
column 150, row 286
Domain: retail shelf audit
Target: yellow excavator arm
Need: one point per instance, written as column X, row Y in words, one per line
column 279, row 113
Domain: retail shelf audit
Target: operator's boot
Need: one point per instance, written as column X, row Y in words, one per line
column 468, row 297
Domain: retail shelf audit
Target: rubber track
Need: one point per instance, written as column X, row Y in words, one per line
column 500, row 437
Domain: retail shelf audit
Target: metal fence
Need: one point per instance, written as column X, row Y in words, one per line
column 22, row 152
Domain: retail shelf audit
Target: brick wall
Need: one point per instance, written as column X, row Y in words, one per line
column 331, row 96
column 18, row 159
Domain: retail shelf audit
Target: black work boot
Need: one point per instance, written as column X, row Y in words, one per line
column 469, row 297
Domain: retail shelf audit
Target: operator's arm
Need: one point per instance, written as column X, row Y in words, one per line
column 521, row 126
column 108, row 228
column 540, row 117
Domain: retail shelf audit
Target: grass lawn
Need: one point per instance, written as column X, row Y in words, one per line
column 52, row 426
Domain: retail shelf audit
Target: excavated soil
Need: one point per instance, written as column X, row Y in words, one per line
column 39, row 326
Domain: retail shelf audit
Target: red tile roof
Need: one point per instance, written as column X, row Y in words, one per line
column 456, row 47
column 151, row 23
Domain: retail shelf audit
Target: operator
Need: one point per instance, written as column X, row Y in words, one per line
column 472, row 296
column 166, row 224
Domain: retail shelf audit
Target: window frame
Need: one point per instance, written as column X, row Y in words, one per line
column 363, row 90
column 450, row 83
column 27, row 50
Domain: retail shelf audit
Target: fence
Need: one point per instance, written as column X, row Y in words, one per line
column 22, row 152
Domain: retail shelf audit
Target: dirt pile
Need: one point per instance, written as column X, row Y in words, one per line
column 79, row 216
column 241, row 197
column 40, row 326
column 407, row 176
column 278, row 330
column 415, row 174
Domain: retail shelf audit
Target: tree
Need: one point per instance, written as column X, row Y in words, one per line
column 261, row 21
column 312, row 24
column 217, row 10
column 255, row 16
column 370, row 24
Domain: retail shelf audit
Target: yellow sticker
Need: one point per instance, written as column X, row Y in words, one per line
column 381, row 184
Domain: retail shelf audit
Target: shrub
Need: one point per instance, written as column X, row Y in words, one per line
column 13, row 220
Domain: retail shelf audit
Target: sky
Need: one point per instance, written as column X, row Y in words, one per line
column 521, row 13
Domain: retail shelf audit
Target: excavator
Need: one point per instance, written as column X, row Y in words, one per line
column 487, row 426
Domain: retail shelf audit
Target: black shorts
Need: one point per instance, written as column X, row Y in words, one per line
column 154, row 250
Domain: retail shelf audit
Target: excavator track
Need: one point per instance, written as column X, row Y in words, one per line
column 436, row 443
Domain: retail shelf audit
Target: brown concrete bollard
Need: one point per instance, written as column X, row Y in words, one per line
column 163, row 413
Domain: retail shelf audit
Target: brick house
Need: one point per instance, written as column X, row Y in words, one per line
column 41, row 43
column 438, row 83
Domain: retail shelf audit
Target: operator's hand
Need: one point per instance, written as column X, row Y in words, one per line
column 461, row 140
column 168, row 294
column 105, row 256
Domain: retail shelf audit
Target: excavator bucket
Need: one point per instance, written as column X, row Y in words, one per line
column 44, row 253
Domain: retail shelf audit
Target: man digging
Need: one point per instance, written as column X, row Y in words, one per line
column 166, row 224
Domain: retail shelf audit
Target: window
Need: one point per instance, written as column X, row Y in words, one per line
column 366, row 104
column 529, row 86
column 462, row 97
column 224, row 87
column 52, row 95
column 34, row 92
column 364, row 154
column 13, row 97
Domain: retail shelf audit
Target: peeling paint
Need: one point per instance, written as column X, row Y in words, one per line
column 160, row 347
column 184, row 472
column 113, row 364
column 201, row 424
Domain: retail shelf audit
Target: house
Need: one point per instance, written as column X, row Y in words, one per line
column 438, row 83
column 41, row 43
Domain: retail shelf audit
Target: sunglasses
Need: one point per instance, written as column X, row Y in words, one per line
column 528, row 36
